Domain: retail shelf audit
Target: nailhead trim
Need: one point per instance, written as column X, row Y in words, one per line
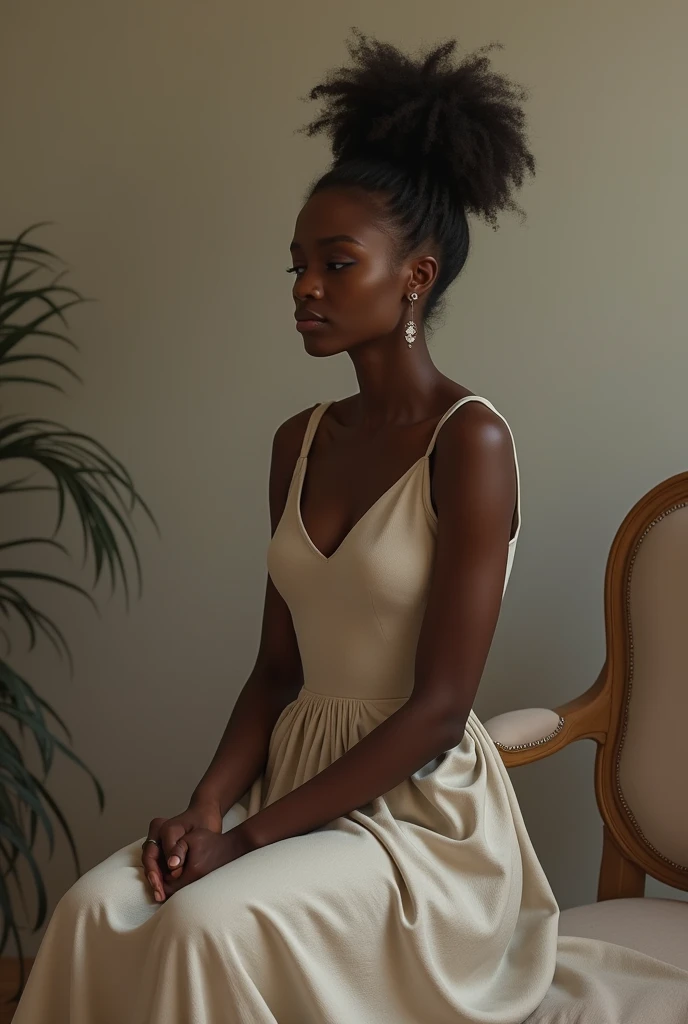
column 531, row 743
column 629, row 812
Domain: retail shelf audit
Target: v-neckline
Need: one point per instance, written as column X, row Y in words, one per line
column 304, row 531
column 305, row 451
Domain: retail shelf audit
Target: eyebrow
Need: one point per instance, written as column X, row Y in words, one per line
column 330, row 240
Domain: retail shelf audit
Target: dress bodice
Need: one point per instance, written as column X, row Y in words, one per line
column 358, row 614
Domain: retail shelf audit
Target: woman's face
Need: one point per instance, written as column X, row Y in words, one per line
column 346, row 272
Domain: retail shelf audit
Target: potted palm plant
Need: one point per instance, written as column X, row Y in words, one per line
column 81, row 478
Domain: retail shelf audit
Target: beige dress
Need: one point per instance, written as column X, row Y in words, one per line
column 425, row 906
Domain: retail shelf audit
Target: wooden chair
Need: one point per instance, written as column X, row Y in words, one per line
column 637, row 713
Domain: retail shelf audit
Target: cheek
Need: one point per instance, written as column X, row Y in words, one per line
column 373, row 302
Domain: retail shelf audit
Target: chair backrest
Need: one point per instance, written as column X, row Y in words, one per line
column 642, row 767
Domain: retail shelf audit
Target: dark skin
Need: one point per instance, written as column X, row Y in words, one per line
column 362, row 446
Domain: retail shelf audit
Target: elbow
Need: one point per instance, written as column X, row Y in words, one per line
column 444, row 721
column 454, row 729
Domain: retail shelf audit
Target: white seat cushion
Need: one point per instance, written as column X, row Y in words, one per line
column 527, row 725
column 658, row 928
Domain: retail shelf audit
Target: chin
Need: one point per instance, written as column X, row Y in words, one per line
column 320, row 346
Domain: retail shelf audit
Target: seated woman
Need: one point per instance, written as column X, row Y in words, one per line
column 355, row 853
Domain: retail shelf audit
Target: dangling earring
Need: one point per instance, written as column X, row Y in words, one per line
column 411, row 329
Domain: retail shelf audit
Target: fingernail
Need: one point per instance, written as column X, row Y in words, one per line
column 158, row 897
column 174, row 862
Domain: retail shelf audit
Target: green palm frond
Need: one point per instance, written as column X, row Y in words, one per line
column 42, row 303
column 83, row 479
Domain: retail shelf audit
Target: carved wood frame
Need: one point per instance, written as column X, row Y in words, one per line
column 601, row 713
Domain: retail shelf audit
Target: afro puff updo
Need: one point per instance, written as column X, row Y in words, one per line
column 436, row 139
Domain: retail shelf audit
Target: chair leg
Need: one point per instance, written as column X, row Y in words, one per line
column 620, row 878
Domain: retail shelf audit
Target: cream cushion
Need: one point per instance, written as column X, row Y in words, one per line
column 527, row 725
column 657, row 927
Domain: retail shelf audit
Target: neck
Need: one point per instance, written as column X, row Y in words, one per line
column 395, row 382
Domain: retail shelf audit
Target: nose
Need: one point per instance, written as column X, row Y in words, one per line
column 308, row 285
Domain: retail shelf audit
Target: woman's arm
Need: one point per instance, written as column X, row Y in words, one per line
column 475, row 493
column 277, row 675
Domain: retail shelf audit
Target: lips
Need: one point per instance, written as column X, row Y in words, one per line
column 310, row 325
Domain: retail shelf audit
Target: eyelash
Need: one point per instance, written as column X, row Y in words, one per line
column 337, row 263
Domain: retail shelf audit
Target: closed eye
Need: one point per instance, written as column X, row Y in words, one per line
column 335, row 266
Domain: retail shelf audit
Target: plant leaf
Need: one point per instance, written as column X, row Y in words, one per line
column 92, row 485
column 17, row 841
column 62, row 820
column 30, row 798
column 77, row 761
column 36, row 357
column 10, row 930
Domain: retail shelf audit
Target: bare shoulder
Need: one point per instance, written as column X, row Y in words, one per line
column 289, row 436
column 286, row 446
column 474, row 430
column 474, row 462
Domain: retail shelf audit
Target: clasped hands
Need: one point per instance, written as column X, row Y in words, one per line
column 191, row 845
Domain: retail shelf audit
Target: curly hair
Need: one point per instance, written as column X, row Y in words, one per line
column 437, row 140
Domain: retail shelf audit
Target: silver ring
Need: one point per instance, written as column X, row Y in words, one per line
column 155, row 841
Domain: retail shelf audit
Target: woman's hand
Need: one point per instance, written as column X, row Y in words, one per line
column 202, row 851
column 168, row 832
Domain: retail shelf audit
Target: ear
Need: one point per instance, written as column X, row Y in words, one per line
column 423, row 275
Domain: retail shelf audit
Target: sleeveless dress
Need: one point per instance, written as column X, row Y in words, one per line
column 426, row 906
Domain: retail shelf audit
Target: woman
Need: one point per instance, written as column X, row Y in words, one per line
column 355, row 852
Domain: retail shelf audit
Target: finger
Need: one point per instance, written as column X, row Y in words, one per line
column 176, row 878
column 153, row 873
column 149, row 852
column 157, row 886
column 173, row 885
column 150, row 859
column 169, row 837
column 154, row 879
column 177, row 855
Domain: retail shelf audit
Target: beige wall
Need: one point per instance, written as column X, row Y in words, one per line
column 158, row 136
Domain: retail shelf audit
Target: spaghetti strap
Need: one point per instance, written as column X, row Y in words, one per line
column 311, row 428
column 448, row 413
column 484, row 401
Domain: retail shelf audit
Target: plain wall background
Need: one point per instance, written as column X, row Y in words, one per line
column 159, row 139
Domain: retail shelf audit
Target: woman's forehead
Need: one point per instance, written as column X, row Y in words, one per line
column 336, row 212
